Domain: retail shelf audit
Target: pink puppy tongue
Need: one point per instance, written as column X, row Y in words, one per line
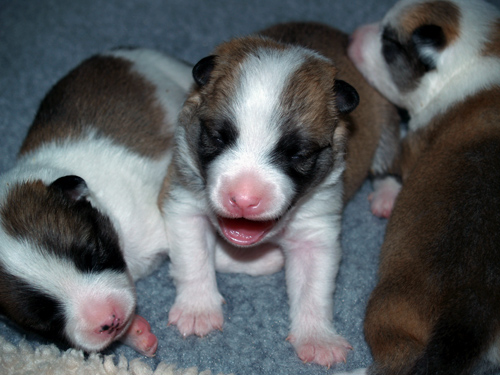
column 244, row 232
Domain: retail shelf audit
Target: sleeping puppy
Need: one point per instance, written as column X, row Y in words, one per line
column 436, row 307
column 259, row 160
column 79, row 212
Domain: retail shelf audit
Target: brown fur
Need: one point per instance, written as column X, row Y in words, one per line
column 103, row 77
column 442, row 13
column 374, row 113
column 310, row 82
column 423, row 272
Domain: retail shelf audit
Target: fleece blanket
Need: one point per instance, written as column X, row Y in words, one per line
column 40, row 42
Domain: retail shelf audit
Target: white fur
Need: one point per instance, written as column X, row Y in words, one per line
column 256, row 111
column 308, row 233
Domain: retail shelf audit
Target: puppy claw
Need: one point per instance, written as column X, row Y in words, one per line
column 325, row 351
column 199, row 323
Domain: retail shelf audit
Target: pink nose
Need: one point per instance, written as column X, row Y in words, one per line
column 110, row 325
column 244, row 205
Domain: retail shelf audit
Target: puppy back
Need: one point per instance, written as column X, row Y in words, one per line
column 105, row 95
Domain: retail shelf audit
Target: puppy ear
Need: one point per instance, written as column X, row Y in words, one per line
column 346, row 96
column 202, row 70
column 73, row 187
column 428, row 41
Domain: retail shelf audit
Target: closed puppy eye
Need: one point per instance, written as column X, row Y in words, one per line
column 300, row 153
column 215, row 136
column 219, row 133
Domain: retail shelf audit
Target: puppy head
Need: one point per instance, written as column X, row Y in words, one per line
column 260, row 131
column 62, row 273
column 425, row 50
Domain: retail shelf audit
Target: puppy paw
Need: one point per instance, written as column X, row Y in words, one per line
column 191, row 320
column 323, row 350
column 383, row 198
column 140, row 338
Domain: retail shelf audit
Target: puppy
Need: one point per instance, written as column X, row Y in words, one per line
column 79, row 212
column 259, row 159
column 435, row 308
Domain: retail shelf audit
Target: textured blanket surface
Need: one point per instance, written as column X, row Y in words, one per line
column 42, row 40
column 26, row 359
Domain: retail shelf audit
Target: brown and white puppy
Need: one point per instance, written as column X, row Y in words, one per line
column 259, row 159
column 436, row 307
column 79, row 212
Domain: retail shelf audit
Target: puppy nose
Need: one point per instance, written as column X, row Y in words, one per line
column 246, row 203
column 110, row 325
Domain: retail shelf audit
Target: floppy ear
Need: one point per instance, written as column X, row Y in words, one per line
column 202, row 70
column 346, row 96
column 73, row 187
column 428, row 41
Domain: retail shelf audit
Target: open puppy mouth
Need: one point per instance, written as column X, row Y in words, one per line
column 245, row 232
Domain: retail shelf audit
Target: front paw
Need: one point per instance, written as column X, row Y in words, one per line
column 196, row 320
column 383, row 198
column 323, row 349
column 140, row 338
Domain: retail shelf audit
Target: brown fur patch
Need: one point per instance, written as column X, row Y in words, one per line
column 441, row 13
column 309, row 100
column 104, row 94
column 492, row 48
column 439, row 246
column 31, row 208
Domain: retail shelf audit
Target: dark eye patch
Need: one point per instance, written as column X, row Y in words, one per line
column 32, row 309
column 303, row 160
column 93, row 245
column 406, row 65
column 215, row 137
column 63, row 227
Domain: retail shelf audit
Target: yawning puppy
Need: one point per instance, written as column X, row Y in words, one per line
column 436, row 307
column 79, row 212
column 259, row 159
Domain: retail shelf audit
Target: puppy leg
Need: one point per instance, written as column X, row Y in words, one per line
column 197, row 308
column 312, row 261
column 384, row 196
column 386, row 187
column 140, row 338
column 261, row 260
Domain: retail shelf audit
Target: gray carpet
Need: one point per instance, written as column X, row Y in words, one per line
column 41, row 40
